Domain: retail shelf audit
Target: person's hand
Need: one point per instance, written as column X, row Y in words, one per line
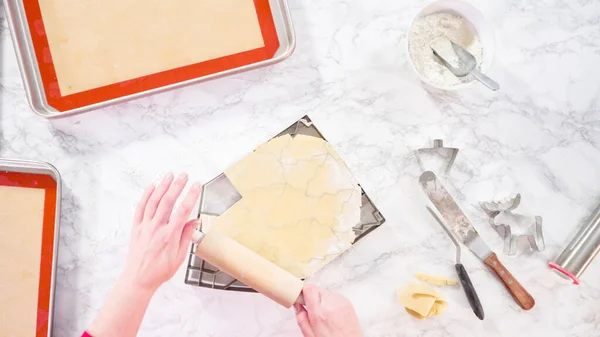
column 160, row 238
column 159, row 243
column 326, row 314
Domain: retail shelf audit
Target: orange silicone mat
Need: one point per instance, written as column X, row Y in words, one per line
column 102, row 94
column 46, row 182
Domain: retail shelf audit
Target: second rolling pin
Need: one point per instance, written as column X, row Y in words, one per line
column 582, row 249
column 248, row 267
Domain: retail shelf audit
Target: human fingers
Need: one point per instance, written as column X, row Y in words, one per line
column 157, row 195
column 182, row 214
column 165, row 207
column 186, row 238
column 313, row 302
column 139, row 210
column 312, row 296
column 303, row 321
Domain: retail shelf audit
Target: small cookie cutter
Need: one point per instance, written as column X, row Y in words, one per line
column 512, row 227
column 446, row 154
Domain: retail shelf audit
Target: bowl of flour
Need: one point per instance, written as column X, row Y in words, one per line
column 454, row 20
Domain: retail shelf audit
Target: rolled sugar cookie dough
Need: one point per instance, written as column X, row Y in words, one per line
column 299, row 204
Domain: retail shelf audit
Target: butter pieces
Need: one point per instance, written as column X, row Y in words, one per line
column 421, row 300
column 436, row 280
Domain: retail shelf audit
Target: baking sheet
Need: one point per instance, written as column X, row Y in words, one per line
column 43, row 90
column 201, row 273
column 33, row 287
column 146, row 38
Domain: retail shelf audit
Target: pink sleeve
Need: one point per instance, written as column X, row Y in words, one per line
column 85, row 334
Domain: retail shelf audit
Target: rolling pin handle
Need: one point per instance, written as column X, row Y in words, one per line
column 300, row 300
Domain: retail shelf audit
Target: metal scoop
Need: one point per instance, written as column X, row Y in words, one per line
column 468, row 65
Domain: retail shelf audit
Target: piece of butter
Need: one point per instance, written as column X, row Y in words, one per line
column 436, row 280
column 414, row 313
column 438, row 308
column 421, row 300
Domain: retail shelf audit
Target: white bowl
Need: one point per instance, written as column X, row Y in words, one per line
column 481, row 26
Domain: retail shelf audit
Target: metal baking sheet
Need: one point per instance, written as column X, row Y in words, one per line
column 35, row 167
column 203, row 274
column 21, row 37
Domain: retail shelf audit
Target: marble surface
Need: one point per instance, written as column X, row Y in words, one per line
column 539, row 135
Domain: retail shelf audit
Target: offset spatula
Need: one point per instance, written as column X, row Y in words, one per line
column 463, row 276
column 464, row 230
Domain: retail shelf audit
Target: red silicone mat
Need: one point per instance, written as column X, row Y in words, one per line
column 141, row 84
column 46, row 182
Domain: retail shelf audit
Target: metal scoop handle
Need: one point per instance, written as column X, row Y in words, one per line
column 488, row 82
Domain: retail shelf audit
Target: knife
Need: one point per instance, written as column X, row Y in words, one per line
column 464, row 230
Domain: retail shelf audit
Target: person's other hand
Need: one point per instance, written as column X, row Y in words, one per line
column 326, row 314
column 160, row 238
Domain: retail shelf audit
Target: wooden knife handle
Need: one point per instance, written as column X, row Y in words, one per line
column 514, row 287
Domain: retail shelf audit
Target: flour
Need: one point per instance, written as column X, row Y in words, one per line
column 427, row 31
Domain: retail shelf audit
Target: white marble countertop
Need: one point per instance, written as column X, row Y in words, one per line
column 539, row 135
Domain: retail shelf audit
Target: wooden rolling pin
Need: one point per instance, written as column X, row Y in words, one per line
column 249, row 268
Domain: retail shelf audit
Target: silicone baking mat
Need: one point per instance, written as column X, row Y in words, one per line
column 45, row 248
column 66, row 102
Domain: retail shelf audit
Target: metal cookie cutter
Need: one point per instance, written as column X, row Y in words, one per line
column 443, row 156
column 512, row 227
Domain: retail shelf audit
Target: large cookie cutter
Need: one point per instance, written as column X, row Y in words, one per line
column 513, row 227
column 446, row 155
